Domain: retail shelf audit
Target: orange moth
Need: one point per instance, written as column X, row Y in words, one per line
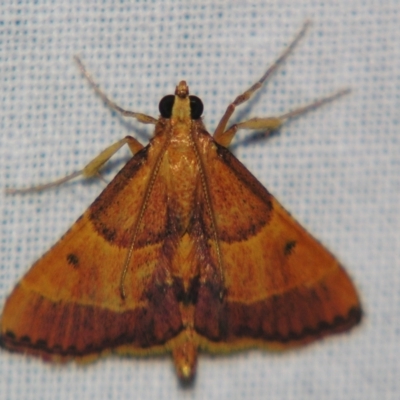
column 183, row 251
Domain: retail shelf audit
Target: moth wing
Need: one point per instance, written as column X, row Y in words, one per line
column 69, row 303
column 281, row 286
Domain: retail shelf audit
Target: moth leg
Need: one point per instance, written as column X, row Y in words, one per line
column 90, row 170
column 219, row 131
column 95, row 165
column 145, row 119
column 271, row 124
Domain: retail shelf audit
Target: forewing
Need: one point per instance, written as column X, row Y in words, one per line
column 281, row 286
column 69, row 303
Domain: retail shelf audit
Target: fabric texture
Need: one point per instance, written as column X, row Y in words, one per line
column 336, row 169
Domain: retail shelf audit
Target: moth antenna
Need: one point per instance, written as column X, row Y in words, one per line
column 242, row 98
column 143, row 118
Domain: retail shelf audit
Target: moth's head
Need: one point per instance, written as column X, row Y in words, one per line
column 181, row 106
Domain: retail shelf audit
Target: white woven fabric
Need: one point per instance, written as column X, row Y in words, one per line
column 336, row 169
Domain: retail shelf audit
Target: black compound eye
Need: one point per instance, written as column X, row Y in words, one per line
column 196, row 107
column 166, row 105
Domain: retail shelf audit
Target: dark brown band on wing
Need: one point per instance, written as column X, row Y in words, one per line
column 122, row 179
column 211, row 317
column 272, row 321
column 105, row 210
column 300, row 315
column 243, row 173
column 73, row 330
column 240, row 214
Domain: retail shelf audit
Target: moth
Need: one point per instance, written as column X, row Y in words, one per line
column 183, row 251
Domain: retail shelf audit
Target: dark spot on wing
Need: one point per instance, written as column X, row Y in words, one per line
column 73, row 260
column 288, row 248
